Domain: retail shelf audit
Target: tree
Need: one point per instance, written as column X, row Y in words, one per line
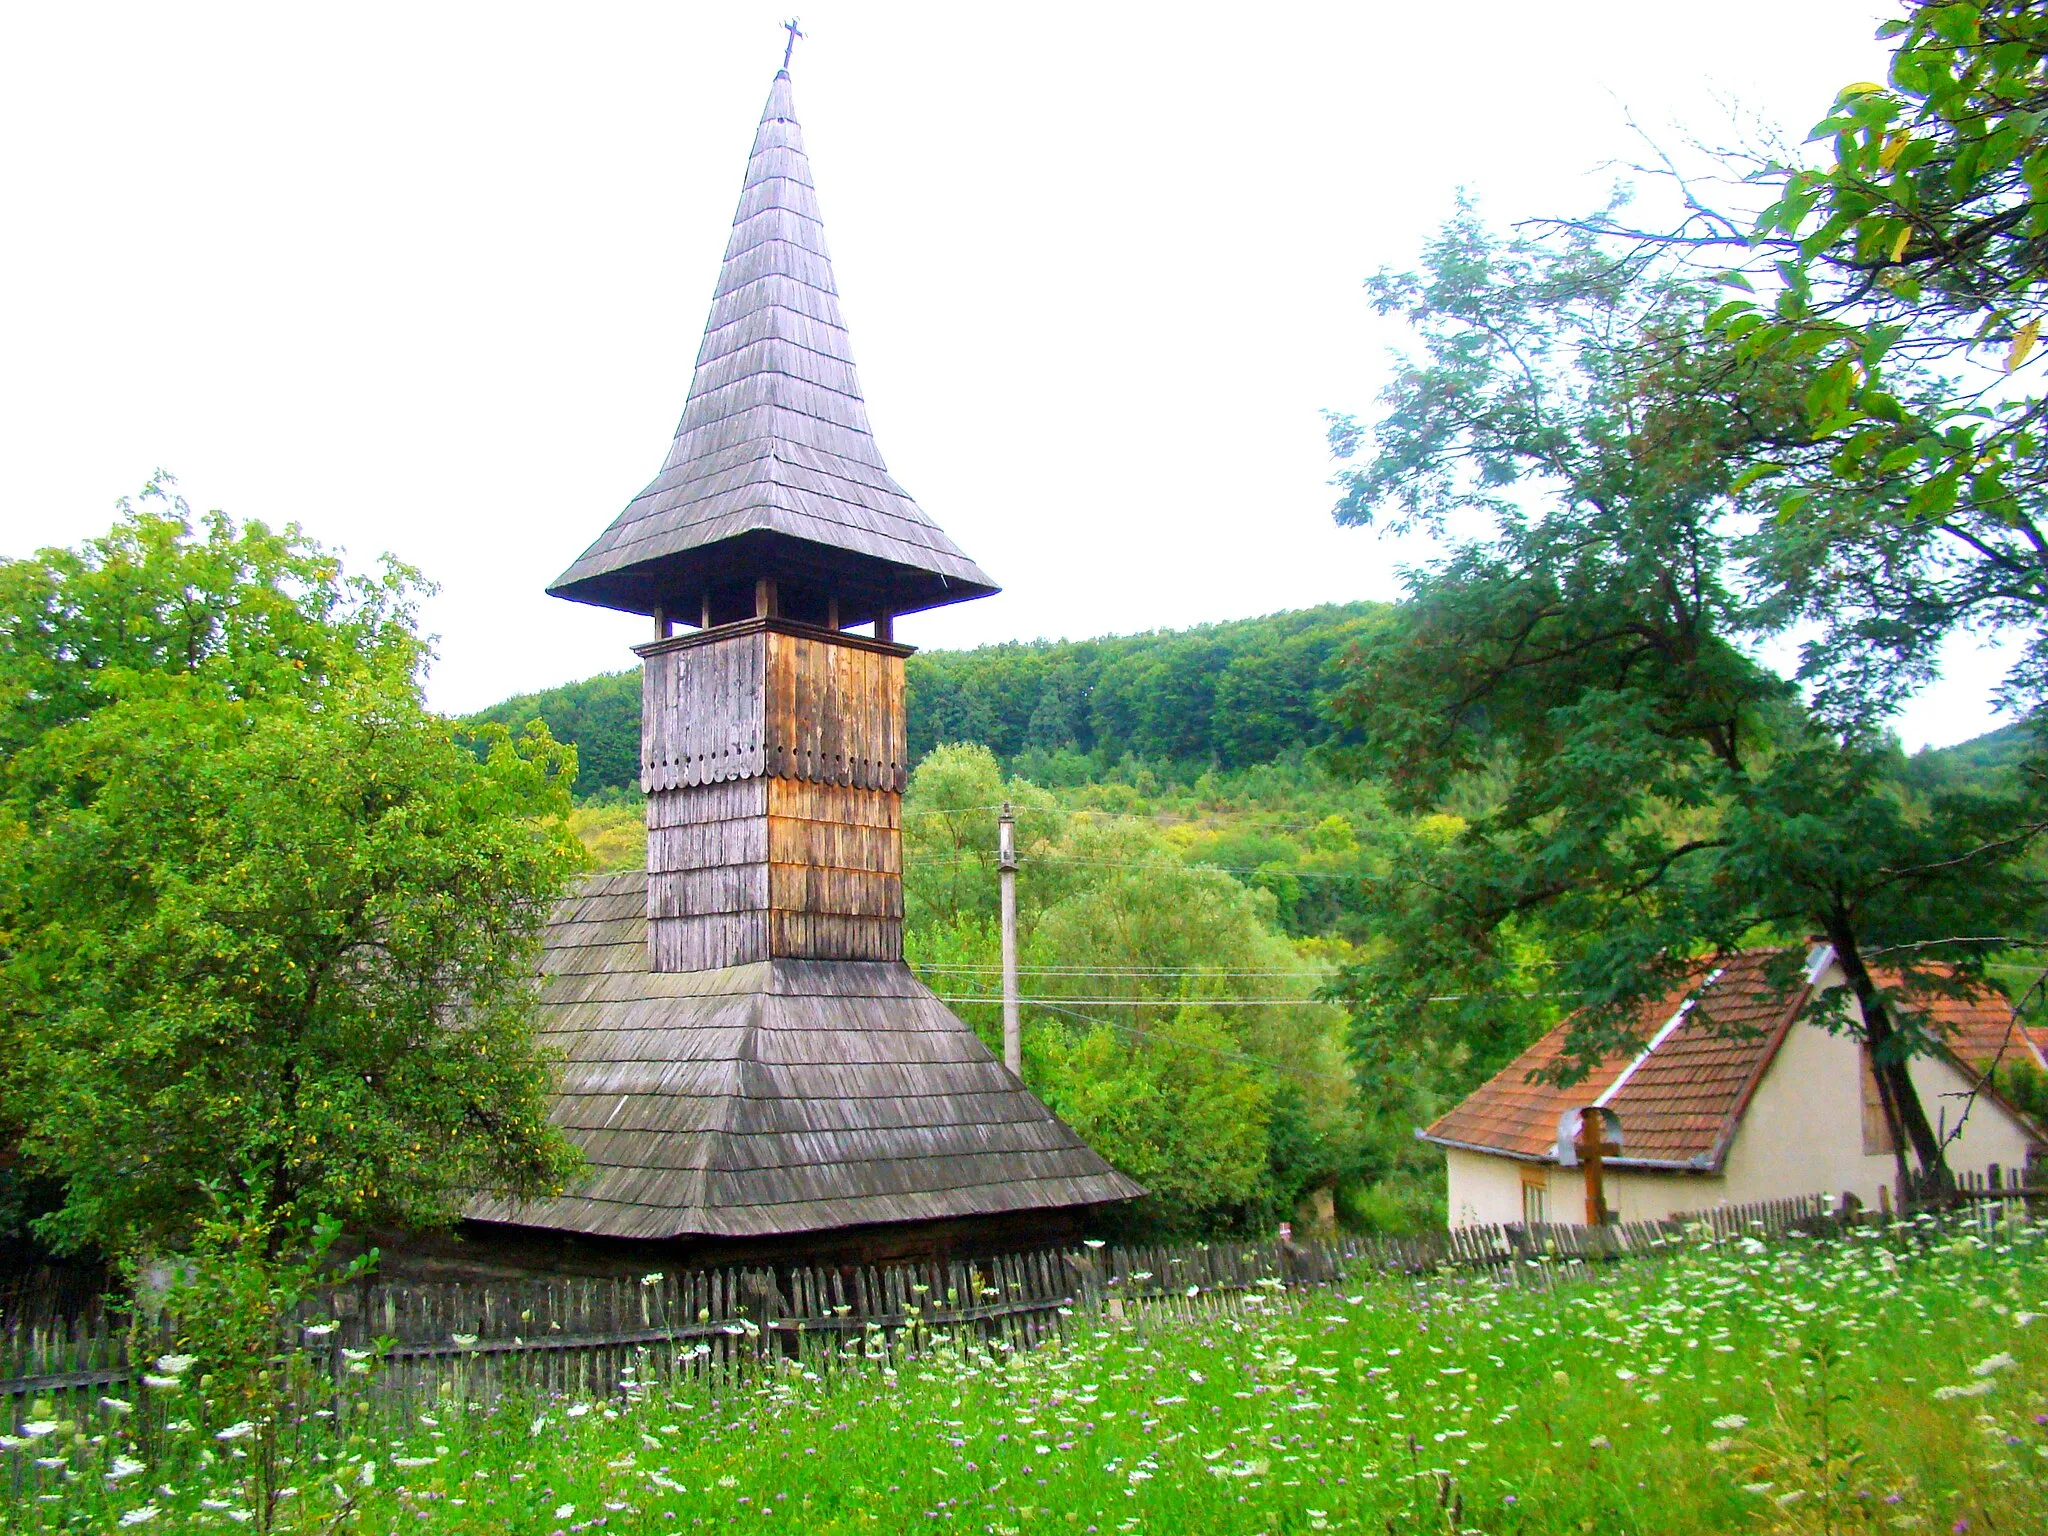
column 266, row 922
column 1168, row 1019
column 1900, row 275
column 1644, row 795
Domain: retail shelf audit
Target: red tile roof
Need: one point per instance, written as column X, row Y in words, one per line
column 1681, row 1100
column 1982, row 1030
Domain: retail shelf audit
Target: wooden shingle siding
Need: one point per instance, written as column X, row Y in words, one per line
column 755, row 698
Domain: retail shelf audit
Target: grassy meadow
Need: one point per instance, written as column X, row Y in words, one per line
column 1885, row 1381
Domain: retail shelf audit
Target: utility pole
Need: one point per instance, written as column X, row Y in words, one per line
column 1006, row 866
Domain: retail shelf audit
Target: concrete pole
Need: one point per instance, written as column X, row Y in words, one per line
column 1006, row 867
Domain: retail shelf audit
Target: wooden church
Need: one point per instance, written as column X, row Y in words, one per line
column 750, row 1068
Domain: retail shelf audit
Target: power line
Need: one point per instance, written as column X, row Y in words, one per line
column 1183, row 868
column 1143, row 1002
column 1224, row 820
column 1207, row 1050
column 1106, row 970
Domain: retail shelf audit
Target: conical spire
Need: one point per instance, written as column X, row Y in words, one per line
column 774, row 472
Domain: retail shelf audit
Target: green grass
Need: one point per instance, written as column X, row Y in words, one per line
column 1881, row 1382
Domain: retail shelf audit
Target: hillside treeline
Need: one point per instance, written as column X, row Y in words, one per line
column 1230, row 695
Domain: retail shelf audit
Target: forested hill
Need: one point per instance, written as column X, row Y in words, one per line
column 1233, row 694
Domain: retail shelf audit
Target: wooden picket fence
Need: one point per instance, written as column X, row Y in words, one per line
column 591, row 1339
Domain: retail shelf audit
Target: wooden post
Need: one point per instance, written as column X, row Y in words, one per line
column 765, row 603
column 831, row 613
column 663, row 627
column 1006, row 872
column 1593, row 1147
column 704, row 607
column 885, row 628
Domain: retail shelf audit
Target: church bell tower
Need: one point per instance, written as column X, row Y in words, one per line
column 772, row 735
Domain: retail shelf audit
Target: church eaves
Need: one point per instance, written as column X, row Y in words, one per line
column 774, row 473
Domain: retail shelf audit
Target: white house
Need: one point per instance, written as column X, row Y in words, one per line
column 1739, row 1095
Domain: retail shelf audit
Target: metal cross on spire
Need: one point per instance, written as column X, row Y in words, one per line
column 790, row 26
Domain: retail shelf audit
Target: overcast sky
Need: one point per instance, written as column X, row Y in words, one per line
column 429, row 278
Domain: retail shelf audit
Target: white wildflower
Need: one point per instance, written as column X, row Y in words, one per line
column 35, row 1429
column 319, row 1330
column 409, row 1462
column 728, row 1481
column 654, row 1279
column 1757, row 1487
column 141, row 1516
column 124, row 1467
column 175, row 1365
column 1992, row 1363
column 576, row 1411
column 117, row 1405
column 237, row 1431
column 1601, row 1443
column 1624, row 1374
column 161, row 1383
column 464, row 1340
column 1974, row 1389
column 1731, row 1421
column 565, row 1512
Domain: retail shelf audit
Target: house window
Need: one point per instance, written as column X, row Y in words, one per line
column 1535, row 1196
column 1877, row 1132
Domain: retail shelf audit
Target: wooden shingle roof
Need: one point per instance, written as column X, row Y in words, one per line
column 774, row 469
column 1681, row 1097
column 783, row 1097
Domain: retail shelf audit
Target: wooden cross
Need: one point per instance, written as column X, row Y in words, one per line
column 1592, row 1145
column 790, row 26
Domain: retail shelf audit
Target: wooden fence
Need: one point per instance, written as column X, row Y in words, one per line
column 588, row 1338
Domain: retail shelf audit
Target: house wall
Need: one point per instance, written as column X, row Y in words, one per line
column 1802, row 1135
column 1804, row 1130
column 1486, row 1190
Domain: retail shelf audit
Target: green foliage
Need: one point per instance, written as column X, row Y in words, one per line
column 1063, row 712
column 599, row 717
column 2026, row 1086
column 232, row 1302
column 1641, row 792
column 1170, row 1017
column 1900, row 279
column 1236, row 694
column 614, row 837
column 1877, row 1383
column 266, row 920
column 1176, row 1108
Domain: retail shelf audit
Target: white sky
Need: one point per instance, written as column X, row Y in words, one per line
column 429, row 278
